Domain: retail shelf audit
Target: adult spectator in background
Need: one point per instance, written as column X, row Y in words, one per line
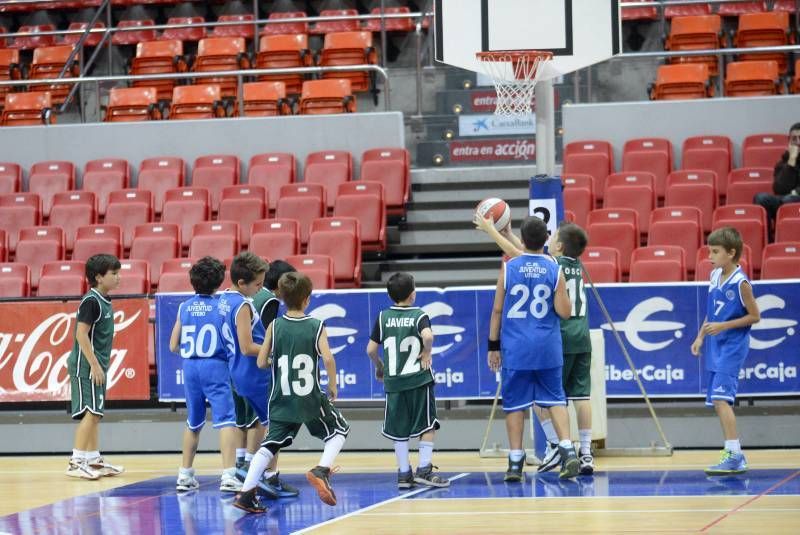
column 786, row 179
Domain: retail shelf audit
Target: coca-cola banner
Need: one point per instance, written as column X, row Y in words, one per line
column 36, row 339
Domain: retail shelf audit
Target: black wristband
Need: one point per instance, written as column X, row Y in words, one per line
column 494, row 345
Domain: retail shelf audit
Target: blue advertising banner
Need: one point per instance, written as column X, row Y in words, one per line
column 656, row 322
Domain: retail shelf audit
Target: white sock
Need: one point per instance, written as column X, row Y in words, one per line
column 230, row 471
column 733, row 445
column 186, row 471
column 549, row 431
column 332, row 448
column 401, row 452
column 91, row 455
column 259, row 463
column 240, row 453
column 566, row 443
column 78, row 455
column 586, row 440
column 516, row 455
column 425, row 453
column 248, row 457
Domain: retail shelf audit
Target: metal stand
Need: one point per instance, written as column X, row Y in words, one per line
column 495, row 451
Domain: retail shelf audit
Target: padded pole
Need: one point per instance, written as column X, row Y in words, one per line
column 545, row 128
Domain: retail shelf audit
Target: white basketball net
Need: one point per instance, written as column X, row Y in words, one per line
column 515, row 96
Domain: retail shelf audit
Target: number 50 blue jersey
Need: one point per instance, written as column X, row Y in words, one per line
column 201, row 329
column 530, row 334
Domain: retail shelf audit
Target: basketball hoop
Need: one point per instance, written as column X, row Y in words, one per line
column 514, row 73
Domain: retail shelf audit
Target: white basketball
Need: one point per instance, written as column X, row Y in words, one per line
column 497, row 209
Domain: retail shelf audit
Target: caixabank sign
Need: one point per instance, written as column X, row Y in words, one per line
column 656, row 323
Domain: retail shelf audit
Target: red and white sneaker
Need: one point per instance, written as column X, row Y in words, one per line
column 103, row 468
column 79, row 468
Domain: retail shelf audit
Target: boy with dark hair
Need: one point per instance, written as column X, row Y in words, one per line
column 197, row 337
column 404, row 332
column 276, row 269
column 293, row 345
column 531, row 295
column 87, row 365
column 731, row 311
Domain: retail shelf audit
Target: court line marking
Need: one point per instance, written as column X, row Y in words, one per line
column 576, row 511
column 751, row 500
column 374, row 506
column 617, row 497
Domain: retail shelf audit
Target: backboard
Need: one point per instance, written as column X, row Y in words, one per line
column 579, row 33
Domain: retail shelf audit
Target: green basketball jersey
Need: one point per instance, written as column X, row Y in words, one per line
column 575, row 329
column 402, row 344
column 296, row 395
column 262, row 299
column 101, row 333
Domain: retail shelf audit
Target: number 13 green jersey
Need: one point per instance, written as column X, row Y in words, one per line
column 397, row 330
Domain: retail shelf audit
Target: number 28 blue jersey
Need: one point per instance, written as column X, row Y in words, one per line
column 201, row 328
column 726, row 351
column 530, row 334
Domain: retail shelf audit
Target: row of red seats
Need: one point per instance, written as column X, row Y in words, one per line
column 730, row 9
column 665, row 263
column 655, row 155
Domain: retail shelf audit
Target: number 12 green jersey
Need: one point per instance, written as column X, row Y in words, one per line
column 397, row 330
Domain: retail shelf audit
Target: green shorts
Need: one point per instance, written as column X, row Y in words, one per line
column 577, row 375
column 86, row 396
column 246, row 417
column 410, row 413
column 324, row 428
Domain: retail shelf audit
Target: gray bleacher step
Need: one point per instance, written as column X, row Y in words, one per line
column 453, row 198
column 440, row 272
column 464, row 240
column 455, row 218
column 469, row 175
column 441, row 279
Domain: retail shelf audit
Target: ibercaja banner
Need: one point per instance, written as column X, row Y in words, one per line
column 36, row 338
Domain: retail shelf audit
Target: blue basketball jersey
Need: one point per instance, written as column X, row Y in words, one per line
column 247, row 376
column 530, row 334
column 201, row 329
column 726, row 351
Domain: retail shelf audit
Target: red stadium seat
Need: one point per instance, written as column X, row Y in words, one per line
column 682, row 82
column 753, row 79
column 175, row 275
column 329, row 168
column 577, row 180
column 275, row 238
column 639, row 13
column 364, row 201
column 73, row 209
column 215, row 238
column 787, row 223
column 580, row 202
column 15, row 280
column 318, row 268
column 49, row 62
column 326, row 97
column 38, row 245
column 159, row 175
column 96, row 239
column 104, row 176
column 272, row 170
column 214, row 172
column 133, row 37
column 602, row 264
column 696, row 32
column 49, row 178
column 763, row 150
column 781, row 261
column 158, row 57
column 156, row 242
column 284, row 51
column 751, row 222
column 663, row 263
column 591, row 157
column 339, row 238
column 677, row 225
column 703, row 267
column 62, row 278
column 735, row 9
column 92, row 40
column 393, row 24
column 3, row 246
column 265, row 99
column 132, row 104
column 328, row 26
column 197, row 102
column 653, row 155
column 10, row 177
column 693, row 188
column 10, row 69
column 285, row 28
column 27, row 109
column 128, row 208
column 245, row 205
column 711, row 153
column 632, row 190
column 616, row 228
column 192, row 33
column 302, row 202
column 686, row 10
column 349, row 48
column 19, row 210
column 185, row 207
column 34, row 41
column 246, row 30
column 745, row 183
column 134, row 277
column 217, row 54
column 390, row 167
column 763, row 30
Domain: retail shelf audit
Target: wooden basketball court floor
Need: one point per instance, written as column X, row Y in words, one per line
column 626, row 495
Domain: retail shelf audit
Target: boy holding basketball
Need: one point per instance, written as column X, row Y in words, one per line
column 731, row 311
column 404, row 332
column 87, row 365
column 293, row 345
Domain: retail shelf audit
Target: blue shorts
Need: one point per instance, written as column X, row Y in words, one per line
column 721, row 386
column 523, row 388
column 208, row 379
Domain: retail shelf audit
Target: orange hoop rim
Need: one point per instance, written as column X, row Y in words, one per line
column 513, row 55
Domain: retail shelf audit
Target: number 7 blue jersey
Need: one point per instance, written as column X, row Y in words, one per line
column 201, row 329
column 726, row 351
column 530, row 333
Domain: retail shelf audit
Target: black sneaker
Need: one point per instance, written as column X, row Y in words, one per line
column 281, row 488
column 570, row 467
column 405, row 480
column 514, row 472
column 425, row 476
column 551, row 458
column 587, row 463
column 319, row 477
column 248, row 501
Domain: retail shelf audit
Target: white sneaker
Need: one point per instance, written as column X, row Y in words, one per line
column 229, row 483
column 587, row 464
column 103, row 468
column 552, row 458
column 80, row 469
column 186, row 481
